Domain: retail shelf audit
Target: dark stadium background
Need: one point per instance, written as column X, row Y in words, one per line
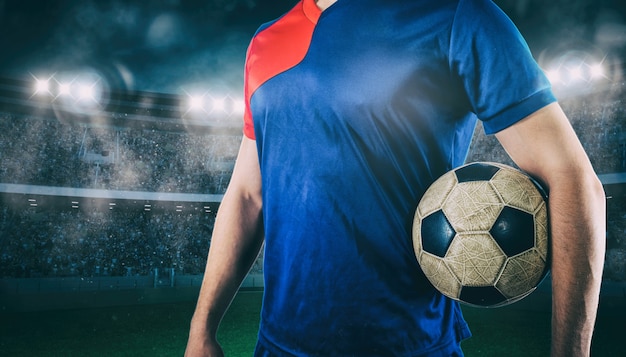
column 113, row 203
column 168, row 44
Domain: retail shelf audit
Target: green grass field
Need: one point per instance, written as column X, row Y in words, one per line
column 161, row 330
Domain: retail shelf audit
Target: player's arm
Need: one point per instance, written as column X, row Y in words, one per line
column 545, row 145
column 235, row 244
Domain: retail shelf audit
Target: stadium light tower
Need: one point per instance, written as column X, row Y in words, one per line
column 81, row 91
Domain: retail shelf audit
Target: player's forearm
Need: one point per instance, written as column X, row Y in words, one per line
column 577, row 210
column 237, row 238
column 545, row 145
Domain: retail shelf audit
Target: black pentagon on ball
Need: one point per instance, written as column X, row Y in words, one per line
column 437, row 233
column 481, row 295
column 514, row 231
column 478, row 171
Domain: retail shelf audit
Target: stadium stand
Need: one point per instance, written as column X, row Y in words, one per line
column 39, row 150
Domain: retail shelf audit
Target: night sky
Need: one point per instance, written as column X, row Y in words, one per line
column 174, row 46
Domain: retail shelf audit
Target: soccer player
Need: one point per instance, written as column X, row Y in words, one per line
column 353, row 107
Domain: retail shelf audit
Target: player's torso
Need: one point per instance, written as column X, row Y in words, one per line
column 373, row 87
column 351, row 128
column 369, row 106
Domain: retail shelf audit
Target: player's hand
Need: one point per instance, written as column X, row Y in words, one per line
column 201, row 347
column 204, row 351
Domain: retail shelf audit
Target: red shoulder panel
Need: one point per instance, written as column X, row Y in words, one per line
column 277, row 48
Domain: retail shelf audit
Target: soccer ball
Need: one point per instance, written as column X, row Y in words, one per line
column 480, row 234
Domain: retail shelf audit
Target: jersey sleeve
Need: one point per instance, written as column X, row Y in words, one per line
column 503, row 82
column 248, row 125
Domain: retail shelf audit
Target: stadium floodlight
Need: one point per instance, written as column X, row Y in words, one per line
column 575, row 74
column 87, row 92
column 239, row 106
column 196, row 103
column 596, row 71
column 577, row 70
column 218, row 104
column 42, row 86
column 80, row 91
column 64, row 89
column 227, row 106
column 210, row 106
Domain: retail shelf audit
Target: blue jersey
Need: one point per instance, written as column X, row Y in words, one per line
column 355, row 111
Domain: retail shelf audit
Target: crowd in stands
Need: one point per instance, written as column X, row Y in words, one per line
column 38, row 243
column 600, row 122
column 101, row 243
column 47, row 152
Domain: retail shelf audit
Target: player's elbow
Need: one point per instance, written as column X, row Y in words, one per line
column 591, row 190
column 596, row 189
column 596, row 195
column 588, row 201
column 580, row 195
column 578, row 180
